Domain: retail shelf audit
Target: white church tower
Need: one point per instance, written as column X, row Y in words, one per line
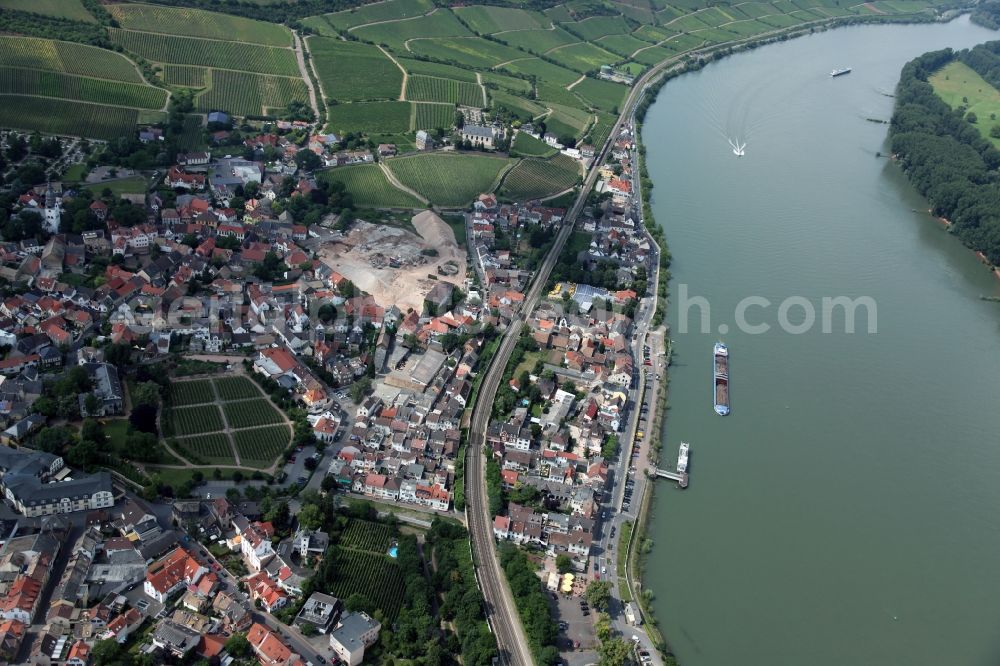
column 52, row 211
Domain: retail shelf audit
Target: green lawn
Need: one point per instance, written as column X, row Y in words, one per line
column 959, row 85
column 130, row 185
column 75, row 172
column 526, row 145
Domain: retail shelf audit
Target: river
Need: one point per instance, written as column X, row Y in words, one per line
column 846, row 512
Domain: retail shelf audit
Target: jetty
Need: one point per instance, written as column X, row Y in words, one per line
column 680, row 477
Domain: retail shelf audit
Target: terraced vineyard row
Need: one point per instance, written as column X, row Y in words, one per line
column 55, row 84
column 211, row 449
column 66, row 57
column 433, row 89
column 67, row 118
column 369, row 186
column 365, row 535
column 235, row 388
column 376, row 577
column 193, row 51
column 246, row 94
column 179, row 421
column 199, row 23
column 249, row 413
column 533, row 178
column 448, row 179
column 432, row 116
column 190, row 76
column 193, row 392
column 260, row 447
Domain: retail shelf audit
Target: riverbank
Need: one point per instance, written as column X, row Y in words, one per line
column 640, row 543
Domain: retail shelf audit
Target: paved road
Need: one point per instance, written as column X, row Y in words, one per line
column 500, row 608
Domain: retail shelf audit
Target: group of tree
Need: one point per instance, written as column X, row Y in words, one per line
column 944, row 156
column 532, row 604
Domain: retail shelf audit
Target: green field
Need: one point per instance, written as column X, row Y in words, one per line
column 370, row 187
column 623, row 45
column 526, row 145
column 538, row 41
column 469, row 51
column 246, row 94
column 370, row 117
column 959, row 85
column 602, row 95
column 251, row 413
column 376, row 11
column 421, row 88
column 449, row 179
column 487, row 19
column 129, row 185
column 67, row 57
column 55, row 84
column 442, row 23
column 352, row 71
column 534, row 178
column 193, row 392
column 523, row 108
column 235, row 388
column 543, row 70
column 67, row 9
column 584, row 57
column 260, row 447
column 437, row 69
column 199, row 23
column 67, row 118
column 596, row 27
column 600, row 131
column 506, row 82
column 180, row 421
column 209, row 52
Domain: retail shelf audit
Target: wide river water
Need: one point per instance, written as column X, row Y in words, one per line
column 848, row 510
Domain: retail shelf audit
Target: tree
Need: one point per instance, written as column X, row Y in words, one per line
column 599, row 594
column 238, row 646
column 307, row 160
column 147, row 393
column 360, row 389
column 614, row 652
column 309, row 629
column 564, row 563
column 106, row 652
column 972, row 118
column 311, row 517
column 328, row 484
column 92, row 404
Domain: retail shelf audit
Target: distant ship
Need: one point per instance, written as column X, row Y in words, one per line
column 840, row 72
column 721, row 367
column 682, row 458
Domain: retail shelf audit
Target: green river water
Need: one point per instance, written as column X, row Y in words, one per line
column 846, row 512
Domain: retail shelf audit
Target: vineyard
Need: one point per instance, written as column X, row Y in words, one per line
column 199, row 23
column 251, row 413
column 189, row 76
column 370, row 117
column 236, row 388
column 369, row 186
column 449, row 179
column 179, row 421
column 432, row 116
column 246, row 94
column 366, row 535
column 533, row 179
column 191, row 392
column 56, row 84
column 213, row 449
column 66, row 118
column 377, row 11
column 66, row 57
column 193, row 51
column 260, row 447
column 352, row 71
column 433, row 89
column 376, row 577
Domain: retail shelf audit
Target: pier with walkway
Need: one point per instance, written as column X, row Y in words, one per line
column 680, row 477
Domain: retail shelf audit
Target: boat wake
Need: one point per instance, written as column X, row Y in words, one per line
column 738, row 148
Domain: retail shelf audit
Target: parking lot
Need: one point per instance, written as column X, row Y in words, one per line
column 576, row 630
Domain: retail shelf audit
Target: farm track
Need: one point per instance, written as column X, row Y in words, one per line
column 479, row 80
column 300, row 58
column 408, row 18
column 574, row 84
column 398, row 185
column 406, row 75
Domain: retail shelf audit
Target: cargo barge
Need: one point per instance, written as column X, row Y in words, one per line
column 721, row 383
